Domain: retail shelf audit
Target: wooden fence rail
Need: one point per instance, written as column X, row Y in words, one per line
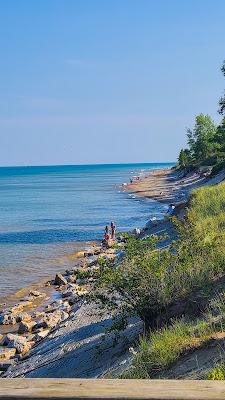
column 55, row 389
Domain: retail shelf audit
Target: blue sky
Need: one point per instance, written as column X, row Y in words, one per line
column 100, row 81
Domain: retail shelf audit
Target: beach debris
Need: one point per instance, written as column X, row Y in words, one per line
column 6, row 353
column 26, row 326
column 60, row 280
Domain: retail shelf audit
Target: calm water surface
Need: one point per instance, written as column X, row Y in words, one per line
column 46, row 213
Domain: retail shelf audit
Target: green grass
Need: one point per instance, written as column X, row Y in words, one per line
column 217, row 373
column 161, row 349
column 164, row 347
column 149, row 280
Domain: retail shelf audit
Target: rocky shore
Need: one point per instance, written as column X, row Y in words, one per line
column 64, row 335
column 35, row 325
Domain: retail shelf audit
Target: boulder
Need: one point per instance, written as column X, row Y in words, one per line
column 5, row 364
column 26, row 326
column 41, row 335
column 51, row 320
column 20, row 306
column 8, row 319
column 60, row 280
column 36, row 293
column 38, row 314
column 6, row 354
column 65, row 306
column 20, row 343
column 89, row 253
column 23, row 316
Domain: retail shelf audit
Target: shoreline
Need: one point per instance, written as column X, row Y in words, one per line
column 150, row 185
column 52, row 295
column 75, row 256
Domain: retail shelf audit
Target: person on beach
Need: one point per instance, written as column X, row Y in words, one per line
column 106, row 234
column 170, row 210
column 113, row 230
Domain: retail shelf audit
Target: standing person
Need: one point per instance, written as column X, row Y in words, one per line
column 113, row 230
column 106, row 234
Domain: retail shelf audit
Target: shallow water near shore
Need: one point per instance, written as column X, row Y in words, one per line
column 48, row 213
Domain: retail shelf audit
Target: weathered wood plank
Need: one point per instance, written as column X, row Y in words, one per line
column 54, row 389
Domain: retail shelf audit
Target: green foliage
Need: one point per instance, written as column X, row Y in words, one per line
column 206, row 142
column 162, row 348
column 184, row 159
column 217, row 373
column 150, row 278
column 200, row 139
column 222, row 100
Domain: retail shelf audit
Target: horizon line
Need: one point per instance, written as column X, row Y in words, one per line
column 80, row 165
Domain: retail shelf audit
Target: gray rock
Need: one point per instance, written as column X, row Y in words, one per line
column 60, row 280
column 4, row 365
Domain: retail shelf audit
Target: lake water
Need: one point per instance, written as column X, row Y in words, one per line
column 46, row 213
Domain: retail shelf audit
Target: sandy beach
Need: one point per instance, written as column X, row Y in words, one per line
column 169, row 186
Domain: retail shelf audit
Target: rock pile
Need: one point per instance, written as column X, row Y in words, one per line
column 33, row 326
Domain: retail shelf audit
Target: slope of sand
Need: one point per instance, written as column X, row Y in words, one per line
column 168, row 186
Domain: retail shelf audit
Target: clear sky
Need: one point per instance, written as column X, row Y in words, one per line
column 106, row 81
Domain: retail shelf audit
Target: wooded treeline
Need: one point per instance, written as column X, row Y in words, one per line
column 206, row 141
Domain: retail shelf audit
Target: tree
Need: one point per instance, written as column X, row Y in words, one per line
column 219, row 138
column 184, row 159
column 201, row 138
column 222, row 100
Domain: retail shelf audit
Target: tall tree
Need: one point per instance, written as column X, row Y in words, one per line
column 200, row 139
column 184, row 159
column 222, row 100
column 219, row 137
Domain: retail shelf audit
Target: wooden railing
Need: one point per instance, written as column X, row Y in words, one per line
column 54, row 389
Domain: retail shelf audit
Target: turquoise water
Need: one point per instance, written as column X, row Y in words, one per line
column 46, row 213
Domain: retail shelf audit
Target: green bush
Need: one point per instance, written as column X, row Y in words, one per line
column 162, row 348
column 217, row 373
column 150, row 278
